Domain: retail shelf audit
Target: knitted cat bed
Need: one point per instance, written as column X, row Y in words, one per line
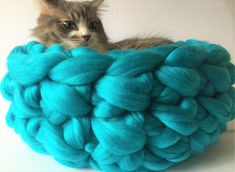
column 125, row 110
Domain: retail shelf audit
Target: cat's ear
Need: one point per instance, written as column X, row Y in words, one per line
column 49, row 6
column 96, row 3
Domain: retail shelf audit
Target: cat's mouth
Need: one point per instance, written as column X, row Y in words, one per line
column 79, row 42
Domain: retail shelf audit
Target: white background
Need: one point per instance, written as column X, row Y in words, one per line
column 211, row 20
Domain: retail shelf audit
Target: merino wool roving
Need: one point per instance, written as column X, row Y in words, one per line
column 120, row 111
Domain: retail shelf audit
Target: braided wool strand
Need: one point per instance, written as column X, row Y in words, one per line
column 125, row 110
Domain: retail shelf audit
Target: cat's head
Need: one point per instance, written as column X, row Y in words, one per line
column 70, row 23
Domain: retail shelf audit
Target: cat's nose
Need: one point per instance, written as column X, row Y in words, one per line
column 86, row 37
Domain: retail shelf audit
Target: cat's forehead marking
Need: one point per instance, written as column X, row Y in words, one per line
column 81, row 12
column 74, row 15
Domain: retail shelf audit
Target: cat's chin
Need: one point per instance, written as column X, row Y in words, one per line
column 98, row 47
column 71, row 45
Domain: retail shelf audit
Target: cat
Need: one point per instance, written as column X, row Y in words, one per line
column 73, row 24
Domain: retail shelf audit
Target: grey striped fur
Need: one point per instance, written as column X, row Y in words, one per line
column 49, row 29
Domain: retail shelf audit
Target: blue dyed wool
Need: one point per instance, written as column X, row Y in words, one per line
column 125, row 110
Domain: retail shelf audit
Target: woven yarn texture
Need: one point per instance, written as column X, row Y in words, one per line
column 121, row 111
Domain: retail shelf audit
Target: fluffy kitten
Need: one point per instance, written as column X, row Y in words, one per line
column 73, row 24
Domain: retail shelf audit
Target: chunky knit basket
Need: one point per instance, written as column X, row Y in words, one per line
column 122, row 111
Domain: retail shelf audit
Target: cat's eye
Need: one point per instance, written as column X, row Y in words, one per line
column 94, row 25
column 70, row 25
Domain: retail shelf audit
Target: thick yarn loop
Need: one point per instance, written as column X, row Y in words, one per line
column 125, row 110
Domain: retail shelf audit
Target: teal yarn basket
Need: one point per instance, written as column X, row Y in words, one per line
column 122, row 111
